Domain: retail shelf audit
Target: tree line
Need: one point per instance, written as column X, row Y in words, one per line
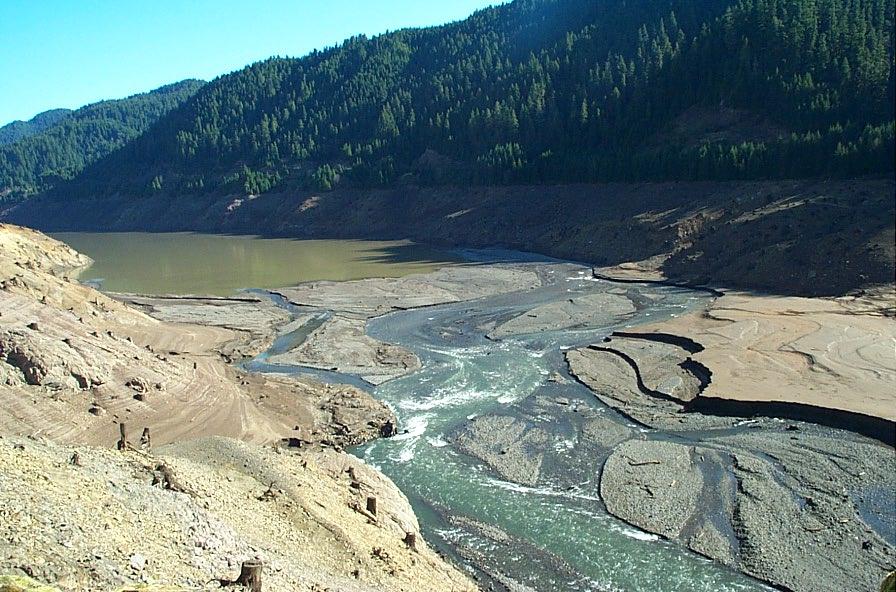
column 57, row 145
column 543, row 91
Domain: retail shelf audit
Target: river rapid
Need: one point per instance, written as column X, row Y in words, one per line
column 552, row 535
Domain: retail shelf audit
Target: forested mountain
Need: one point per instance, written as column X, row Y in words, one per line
column 61, row 150
column 17, row 130
column 541, row 91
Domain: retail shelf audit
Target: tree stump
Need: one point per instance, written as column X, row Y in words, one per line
column 123, row 442
column 371, row 505
column 410, row 539
column 250, row 575
column 145, row 442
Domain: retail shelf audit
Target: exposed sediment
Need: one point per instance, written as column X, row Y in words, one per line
column 511, row 446
column 181, row 507
column 255, row 319
column 109, row 520
column 791, row 503
column 574, row 313
column 765, row 500
column 341, row 343
column 836, row 353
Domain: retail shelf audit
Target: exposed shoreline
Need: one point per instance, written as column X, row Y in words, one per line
column 514, row 460
column 234, row 466
column 732, row 452
column 768, row 235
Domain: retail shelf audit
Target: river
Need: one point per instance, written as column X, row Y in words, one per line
column 549, row 537
column 553, row 536
column 560, row 537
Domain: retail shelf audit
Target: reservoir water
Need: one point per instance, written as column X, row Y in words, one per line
column 188, row 263
column 553, row 536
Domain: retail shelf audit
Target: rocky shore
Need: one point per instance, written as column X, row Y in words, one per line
column 797, row 504
column 793, row 503
column 182, row 506
column 808, row 237
column 759, row 494
column 186, row 516
column 767, row 498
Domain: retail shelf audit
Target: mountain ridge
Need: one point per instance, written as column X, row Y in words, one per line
column 538, row 91
column 17, row 130
column 61, row 149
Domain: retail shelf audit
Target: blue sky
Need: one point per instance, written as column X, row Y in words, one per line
column 67, row 53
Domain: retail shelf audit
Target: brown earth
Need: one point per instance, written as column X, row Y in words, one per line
column 96, row 519
column 806, row 237
column 342, row 343
column 837, row 353
column 830, row 353
column 75, row 364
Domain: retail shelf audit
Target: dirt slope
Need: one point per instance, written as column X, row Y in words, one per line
column 75, row 364
column 93, row 519
column 807, row 237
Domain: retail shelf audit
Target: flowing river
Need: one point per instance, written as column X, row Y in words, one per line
column 550, row 537
column 556, row 536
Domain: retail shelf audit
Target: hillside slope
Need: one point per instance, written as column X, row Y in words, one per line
column 794, row 237
column 75, row 365
column 542, row 91
column 15, row 131
column 111, row 520
column 55, row 148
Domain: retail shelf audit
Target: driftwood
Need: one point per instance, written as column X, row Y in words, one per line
column 269, row 494
column 643, row 463
column 355, row 482
column 165, row 478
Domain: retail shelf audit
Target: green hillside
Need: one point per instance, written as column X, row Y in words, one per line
column 15, row 131
column 543, row 91
column 41, row 158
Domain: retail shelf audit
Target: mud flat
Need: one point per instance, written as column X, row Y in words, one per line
column 798, row 505
column 836, row 353
column 570, row 314
column 789, row 502
column 255, row 320
column 342, row 345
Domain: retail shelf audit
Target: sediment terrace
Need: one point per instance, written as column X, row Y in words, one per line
column 186, row 505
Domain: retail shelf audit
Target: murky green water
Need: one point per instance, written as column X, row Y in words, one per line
column 187, row 263
column 559, row 536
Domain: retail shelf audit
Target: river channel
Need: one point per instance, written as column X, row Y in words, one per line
column 555, row 535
